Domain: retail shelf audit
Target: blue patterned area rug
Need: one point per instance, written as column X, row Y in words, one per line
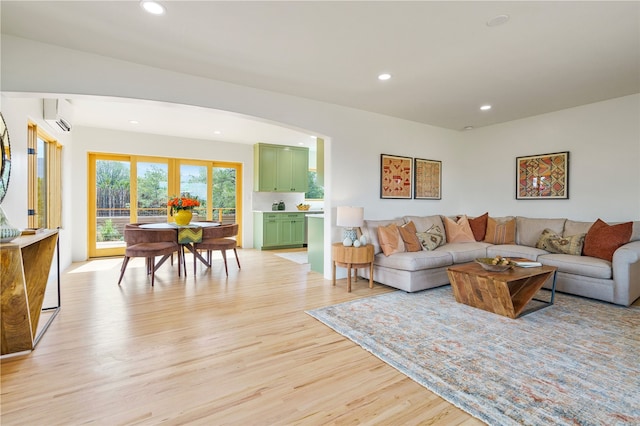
column 576, row 362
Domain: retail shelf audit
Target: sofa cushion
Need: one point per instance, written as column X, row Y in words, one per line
column 528, row 230
column 513, row 250
column 603, row 239
column 370, row 230
column 572, row 227
column 465, row 252
column 479, row 226
column 414, row 261
column 458, row 231
column 499, row 232
column 408, row 235
column 635, row 234
column 432, row 238
column 578, row 265
column 554, row 243
column 425, row 222
column 390, row 240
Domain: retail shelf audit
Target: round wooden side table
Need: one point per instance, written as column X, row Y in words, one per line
column 352, row 257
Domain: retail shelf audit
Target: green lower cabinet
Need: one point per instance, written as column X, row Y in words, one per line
column 278, row 230
column 271, row 232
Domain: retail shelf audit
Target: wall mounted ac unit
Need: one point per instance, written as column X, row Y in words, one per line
column 57, row 112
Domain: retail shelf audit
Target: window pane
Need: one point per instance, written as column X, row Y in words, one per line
column 193, row 183
column 315, row 192
column 112, row 202
column 42, row 184
column 224, row 194
column 152, row 192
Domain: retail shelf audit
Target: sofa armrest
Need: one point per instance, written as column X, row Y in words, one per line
column 626, row 273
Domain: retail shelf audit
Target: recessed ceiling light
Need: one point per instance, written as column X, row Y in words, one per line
column 313, row 137
column 217, row 132
column 300, row 143
column 468, row 127
column 384, row 76
column 153, row 7
column 497, row 20
column 134, row 122
column 485, row 107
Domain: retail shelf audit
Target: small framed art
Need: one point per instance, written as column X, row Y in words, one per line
column 395, row 176
column 543, row 177
column 427, row 179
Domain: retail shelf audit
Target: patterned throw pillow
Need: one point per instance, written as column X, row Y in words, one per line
column 390, row 240
column 460, row 231
column 431, row 238
column 603, row 239
column 554, row 243
column 500, row 233
column 409, row 237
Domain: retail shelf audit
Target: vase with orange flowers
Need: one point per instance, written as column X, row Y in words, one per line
column 182, row 209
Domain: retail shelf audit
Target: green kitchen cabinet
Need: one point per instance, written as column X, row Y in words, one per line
column 278, row 230
column 279, row 168
column 291, row 229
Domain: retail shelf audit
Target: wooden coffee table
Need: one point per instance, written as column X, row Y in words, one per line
column 504, row 293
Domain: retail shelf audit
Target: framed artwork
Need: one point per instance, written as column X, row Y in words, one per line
column 543, row 177
column 395, row 176
column 427, row 179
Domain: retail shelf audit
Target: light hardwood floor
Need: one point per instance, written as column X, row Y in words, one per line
column 208, row 350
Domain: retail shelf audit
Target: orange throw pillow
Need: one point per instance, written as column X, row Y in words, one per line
column 409, row 237
column 500, row 233
column 603, row 239
column 458, row 232
column 390, row 240
column 479, row 226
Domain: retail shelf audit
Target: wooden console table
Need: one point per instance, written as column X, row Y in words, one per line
column 352, row 257
column 24, row 272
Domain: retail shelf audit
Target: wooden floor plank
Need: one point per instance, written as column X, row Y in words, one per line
column 208, row 349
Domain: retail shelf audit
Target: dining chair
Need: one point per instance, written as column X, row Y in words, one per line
column 149, row 243
column 219, row 238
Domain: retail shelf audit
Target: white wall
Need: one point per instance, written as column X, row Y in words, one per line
column 352, row 154
column 603, row 140
column 478, row 166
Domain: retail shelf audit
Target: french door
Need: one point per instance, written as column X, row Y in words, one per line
column 118, row 182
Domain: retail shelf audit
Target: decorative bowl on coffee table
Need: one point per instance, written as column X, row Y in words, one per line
column 488, row 265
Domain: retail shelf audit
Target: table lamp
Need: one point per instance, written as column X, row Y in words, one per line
column 350, row 218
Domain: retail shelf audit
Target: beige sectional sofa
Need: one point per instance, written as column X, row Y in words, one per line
column 616, row 281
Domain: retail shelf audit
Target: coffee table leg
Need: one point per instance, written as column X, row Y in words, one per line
column 553, row 287
column 334, row 272
column 545, row 303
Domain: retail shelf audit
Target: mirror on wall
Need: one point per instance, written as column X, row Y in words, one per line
column 5, row 147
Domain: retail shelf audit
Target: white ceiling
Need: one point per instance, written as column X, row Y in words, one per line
column 444, row 59
column 182, row 121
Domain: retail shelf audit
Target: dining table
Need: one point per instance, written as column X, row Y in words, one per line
column 186, row 236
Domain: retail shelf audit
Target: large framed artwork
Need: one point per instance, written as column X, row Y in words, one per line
column 396, row 175
column 427, row 179
column 543, row 177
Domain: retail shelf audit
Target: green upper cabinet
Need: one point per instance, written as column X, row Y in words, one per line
column 279, row 168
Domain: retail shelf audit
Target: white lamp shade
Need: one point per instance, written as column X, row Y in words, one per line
column 350, row 217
